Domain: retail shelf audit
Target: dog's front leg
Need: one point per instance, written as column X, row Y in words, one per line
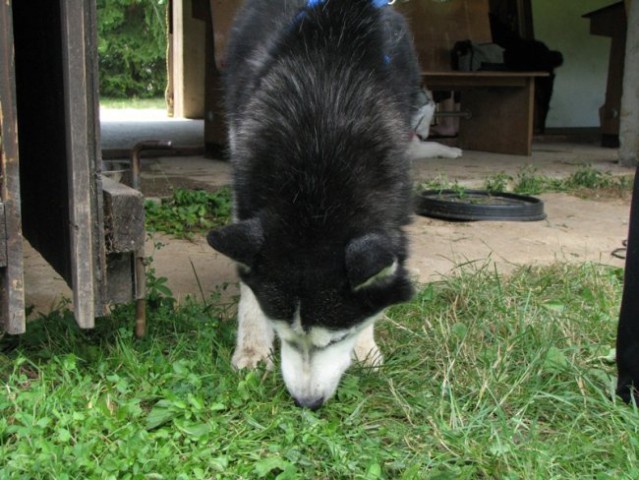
column 254, row 333
column 366, row 350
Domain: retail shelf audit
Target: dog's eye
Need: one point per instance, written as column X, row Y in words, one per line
column 335, row 340
column 339, row 339
column 298, row 347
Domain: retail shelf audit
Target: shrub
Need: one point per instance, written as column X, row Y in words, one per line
column 132, row 47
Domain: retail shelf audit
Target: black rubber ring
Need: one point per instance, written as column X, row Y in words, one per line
column 473, row 205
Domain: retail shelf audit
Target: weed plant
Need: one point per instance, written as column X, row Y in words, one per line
column 188, row 212
column 485, row 377
column 585, row 182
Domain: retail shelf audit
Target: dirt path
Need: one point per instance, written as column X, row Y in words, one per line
column 576, row 230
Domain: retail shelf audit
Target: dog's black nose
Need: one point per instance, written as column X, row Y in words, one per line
column 310, row 403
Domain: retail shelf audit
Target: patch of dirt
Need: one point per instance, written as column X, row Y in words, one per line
column 610, row 194
column 161, row 187
column 575, row 230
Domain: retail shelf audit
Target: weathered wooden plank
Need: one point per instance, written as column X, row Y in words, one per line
column 120, row 277
column 79, row 54
column 12, row 311
column 123, row 217
column 3, row 235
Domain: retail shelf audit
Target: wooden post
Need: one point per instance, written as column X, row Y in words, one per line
column 188, row 62
column 629, row 116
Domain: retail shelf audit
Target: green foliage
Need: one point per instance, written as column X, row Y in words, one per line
column 497, row 183
column 589, row 178
column 528, row 182
column 132, row 47
column 485, row 376
column 133, row 103
column 441, row 183
column 189, row 211
column 584, row 182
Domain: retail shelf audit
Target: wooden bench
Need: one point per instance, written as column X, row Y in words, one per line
column 501, row 103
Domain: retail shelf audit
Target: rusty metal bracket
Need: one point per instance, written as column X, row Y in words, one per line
column 140, row 267
column 136, row 152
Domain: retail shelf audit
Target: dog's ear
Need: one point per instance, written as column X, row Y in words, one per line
column 370, row 261
column 239, row 241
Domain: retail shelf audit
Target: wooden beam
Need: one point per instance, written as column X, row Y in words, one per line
column 123, row 217
column 124, row 237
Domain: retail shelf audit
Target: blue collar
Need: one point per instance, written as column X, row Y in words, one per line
column 376, row 3
column 315, row 3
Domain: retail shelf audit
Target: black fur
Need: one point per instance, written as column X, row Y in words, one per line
column 319, row 104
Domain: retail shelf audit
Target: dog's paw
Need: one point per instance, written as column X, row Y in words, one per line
column 366, row 350
column 455, row 152
column 369, row 355
column 371, row 358
column 250, row 358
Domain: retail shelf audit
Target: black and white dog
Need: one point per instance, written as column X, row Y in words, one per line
column 319, row 95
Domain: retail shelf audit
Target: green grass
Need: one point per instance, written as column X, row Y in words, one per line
column 136, row 103
column 485, row 377
column 188, row 212
column 585, row 182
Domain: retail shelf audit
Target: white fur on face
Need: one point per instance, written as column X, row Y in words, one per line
column 313, row 362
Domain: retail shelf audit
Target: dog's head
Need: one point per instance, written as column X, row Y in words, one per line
column 318, row 296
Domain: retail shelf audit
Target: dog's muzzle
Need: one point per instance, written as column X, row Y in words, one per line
column 313, row 374
column 313, row 404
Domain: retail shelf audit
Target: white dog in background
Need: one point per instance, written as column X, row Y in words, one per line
column 421, row 148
